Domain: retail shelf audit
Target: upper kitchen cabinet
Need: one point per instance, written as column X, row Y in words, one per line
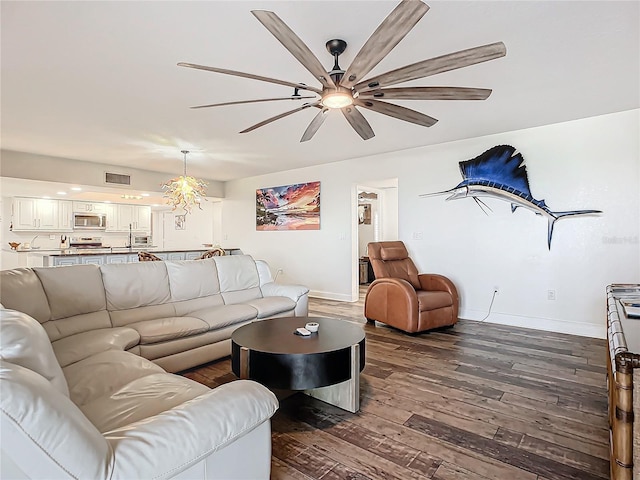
column 89, row 207
column 111, row 209
column 65, row 215
column 40, row 214
column 134, row 217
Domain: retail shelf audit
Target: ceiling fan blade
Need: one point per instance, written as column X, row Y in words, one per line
column 397, row 111
column 392, row 29
column 278, row 117
column 358, row 122
column 294, row 44
column 428, row 93
column 315, row 124
column 300, row 86
column 432, row 66
column 251, row 101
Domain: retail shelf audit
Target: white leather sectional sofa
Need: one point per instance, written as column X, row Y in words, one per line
column 83, row 354
column 115, row 415
column 176, row 314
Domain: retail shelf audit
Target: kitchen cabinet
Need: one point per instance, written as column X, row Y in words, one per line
column 65, row 215
column 111, row 210
column 66, row 261
column 138, row 216
column 89, row 207
column 92, row 260
column 41, row 214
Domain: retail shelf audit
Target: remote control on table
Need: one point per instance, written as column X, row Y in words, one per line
column 303, row 331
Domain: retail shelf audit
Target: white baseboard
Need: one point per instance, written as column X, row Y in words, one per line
column 548, row 324
column 330, row 296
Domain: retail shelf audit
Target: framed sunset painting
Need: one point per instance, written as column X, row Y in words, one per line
column 289, row 207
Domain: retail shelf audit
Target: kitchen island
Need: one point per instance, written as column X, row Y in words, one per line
column 100, row 256
column 123, row 255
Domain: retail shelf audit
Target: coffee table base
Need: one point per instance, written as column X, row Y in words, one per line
column 344, row 395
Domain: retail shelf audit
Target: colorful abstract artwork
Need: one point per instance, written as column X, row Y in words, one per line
column 500, row 173
column 289, row 207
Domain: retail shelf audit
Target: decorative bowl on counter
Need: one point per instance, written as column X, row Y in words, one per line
column 14, row 245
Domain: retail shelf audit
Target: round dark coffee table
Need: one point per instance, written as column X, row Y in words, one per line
column 325, row 365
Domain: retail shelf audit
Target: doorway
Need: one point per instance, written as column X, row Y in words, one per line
column 376, row 220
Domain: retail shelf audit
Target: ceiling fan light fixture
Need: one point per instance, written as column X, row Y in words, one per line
column 337, row 100
column 185, row 191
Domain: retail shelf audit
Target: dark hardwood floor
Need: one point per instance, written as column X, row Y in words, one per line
column 475, row 401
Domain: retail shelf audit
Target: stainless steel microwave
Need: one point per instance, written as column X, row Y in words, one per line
column 89, row 221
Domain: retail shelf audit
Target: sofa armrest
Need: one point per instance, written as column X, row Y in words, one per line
column 297, row 293
column 392, row 301
column 294, row 292
column 170, row 442
column 440, row 283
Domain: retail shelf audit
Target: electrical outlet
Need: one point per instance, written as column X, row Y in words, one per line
column 551, row 294
column 52, row 237
column 496, row 289
column 417, row 235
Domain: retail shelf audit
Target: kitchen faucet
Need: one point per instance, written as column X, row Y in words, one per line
column 33, row 240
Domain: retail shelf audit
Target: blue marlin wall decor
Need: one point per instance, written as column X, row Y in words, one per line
column 498, row 173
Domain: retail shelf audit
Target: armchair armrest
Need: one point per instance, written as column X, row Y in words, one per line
column 392, row 301
column 440, row 283
column 172, row 441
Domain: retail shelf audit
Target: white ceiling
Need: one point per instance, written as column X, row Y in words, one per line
column 98, row 81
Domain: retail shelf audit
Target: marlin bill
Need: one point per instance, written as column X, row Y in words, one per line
column 500, row 173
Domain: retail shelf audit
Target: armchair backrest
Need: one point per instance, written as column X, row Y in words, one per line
column 391, row 260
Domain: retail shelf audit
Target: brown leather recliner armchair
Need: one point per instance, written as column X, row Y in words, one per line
column 403, row 298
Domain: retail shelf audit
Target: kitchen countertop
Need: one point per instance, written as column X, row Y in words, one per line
column 68, row 252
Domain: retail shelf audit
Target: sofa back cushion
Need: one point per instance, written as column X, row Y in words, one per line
column 189, row 279
column 20, row 289
column 72, row 290
column 24, row 342
column 133, row 285
column 238, row 276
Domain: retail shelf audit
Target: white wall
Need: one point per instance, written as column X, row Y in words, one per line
column 198, row 228
column 56, row 169
column 589, row 163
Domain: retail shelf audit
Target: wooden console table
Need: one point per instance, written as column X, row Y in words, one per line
column 623, row 379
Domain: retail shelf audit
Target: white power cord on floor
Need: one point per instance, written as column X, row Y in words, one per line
column 490, row 305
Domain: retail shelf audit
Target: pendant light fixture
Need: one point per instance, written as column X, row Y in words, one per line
column 185, row 191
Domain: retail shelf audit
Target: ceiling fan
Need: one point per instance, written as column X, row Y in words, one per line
column 347, row 90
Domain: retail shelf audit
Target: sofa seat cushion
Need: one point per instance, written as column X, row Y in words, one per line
column 104, row 373
column 165, row 329
column 270, row 306
column 77, row 347
column 140, row 399
column 225, row 315
column 429, row 300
